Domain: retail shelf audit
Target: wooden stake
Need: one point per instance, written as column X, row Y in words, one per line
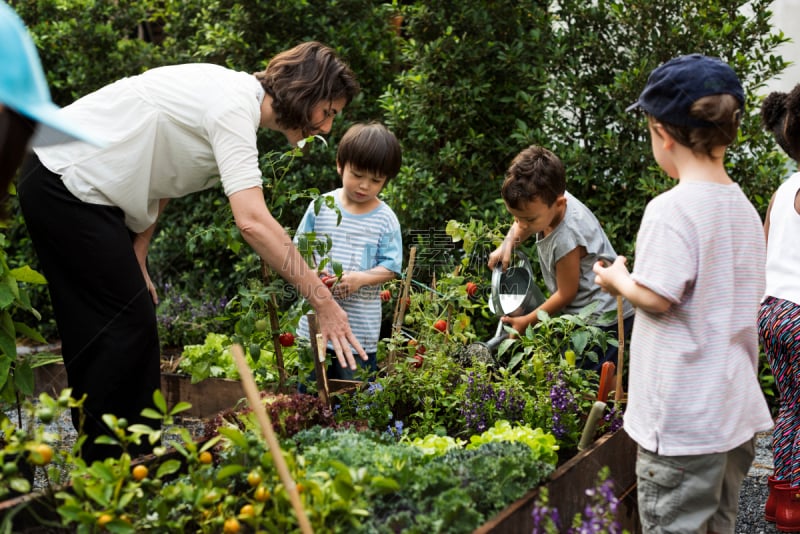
column 272, row 309
column 400, row 309
column 318, row 348
column 253, row 397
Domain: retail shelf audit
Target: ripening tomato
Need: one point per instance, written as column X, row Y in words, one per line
column 472, row 288
column 286, row 339
column 386, row 295
column 418, row 360
column 440, row 325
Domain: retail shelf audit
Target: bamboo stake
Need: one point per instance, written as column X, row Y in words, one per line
column 253, row 397
column 400, row 309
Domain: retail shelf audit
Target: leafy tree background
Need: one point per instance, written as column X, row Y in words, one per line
column 465, row 85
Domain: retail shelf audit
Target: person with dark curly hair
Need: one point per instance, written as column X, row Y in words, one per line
column 91, row 211
column 779, row 317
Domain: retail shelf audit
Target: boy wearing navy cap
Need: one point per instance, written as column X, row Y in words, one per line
column 694, row 400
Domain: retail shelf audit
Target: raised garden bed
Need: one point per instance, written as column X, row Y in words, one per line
column 207, row 397
column 567, row 485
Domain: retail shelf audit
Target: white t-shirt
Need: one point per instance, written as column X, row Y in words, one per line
column 783, row 250
column 171, row 131
column 693, row 380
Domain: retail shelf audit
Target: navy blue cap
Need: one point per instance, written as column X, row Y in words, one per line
column 673, row 87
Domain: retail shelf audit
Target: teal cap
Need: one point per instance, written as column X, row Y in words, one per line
column 23, row 86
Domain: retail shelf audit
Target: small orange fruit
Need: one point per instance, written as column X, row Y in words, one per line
column 262, row 494
column 205, row 457
column 104, row 519
column 139, row 472
column 254, row 478
column 231, row 526
column 42, row 454
column 247, row 511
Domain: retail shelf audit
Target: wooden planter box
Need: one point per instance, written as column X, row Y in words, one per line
column 566, row 487
column 208, row 397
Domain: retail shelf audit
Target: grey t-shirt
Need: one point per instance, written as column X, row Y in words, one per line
column 580, row 228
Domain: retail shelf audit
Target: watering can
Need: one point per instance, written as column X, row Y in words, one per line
column 514, row 293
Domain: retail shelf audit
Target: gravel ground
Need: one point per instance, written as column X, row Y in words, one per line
column 62, row 427
column 754, row 491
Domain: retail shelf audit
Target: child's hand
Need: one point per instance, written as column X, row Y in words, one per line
column 502, row 255
column 610, row 277
column 520, row 324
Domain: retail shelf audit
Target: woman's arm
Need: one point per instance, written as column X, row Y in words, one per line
column 270, row 241
column 141, row 244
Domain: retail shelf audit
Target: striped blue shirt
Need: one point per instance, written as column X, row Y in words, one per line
column 359, row 243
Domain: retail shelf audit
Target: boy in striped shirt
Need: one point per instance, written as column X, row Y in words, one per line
column 694, row 399
column 367, row 242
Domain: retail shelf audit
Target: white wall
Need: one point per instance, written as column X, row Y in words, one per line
column 786, row 17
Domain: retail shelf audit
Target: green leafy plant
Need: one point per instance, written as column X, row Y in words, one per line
column 16, row 371
column 559, row 334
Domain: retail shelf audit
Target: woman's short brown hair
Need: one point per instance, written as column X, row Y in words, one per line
column 301, row 77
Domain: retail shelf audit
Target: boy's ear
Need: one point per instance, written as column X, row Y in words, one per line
column 667, row 141
column 339, row 168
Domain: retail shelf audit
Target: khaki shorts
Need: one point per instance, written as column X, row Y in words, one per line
column 691, row 494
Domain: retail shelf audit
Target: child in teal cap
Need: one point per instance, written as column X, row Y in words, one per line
column 26, row 111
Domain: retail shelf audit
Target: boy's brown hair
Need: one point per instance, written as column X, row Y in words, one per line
column 300, row 78
column 724, row 111
column 534, row 173
column 370, row 147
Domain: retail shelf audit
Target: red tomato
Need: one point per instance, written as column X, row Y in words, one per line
column 440, row 325
column 328, row 280
column 472, row 288
column 418, row 359
column 286, row 339
column 386, row 295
